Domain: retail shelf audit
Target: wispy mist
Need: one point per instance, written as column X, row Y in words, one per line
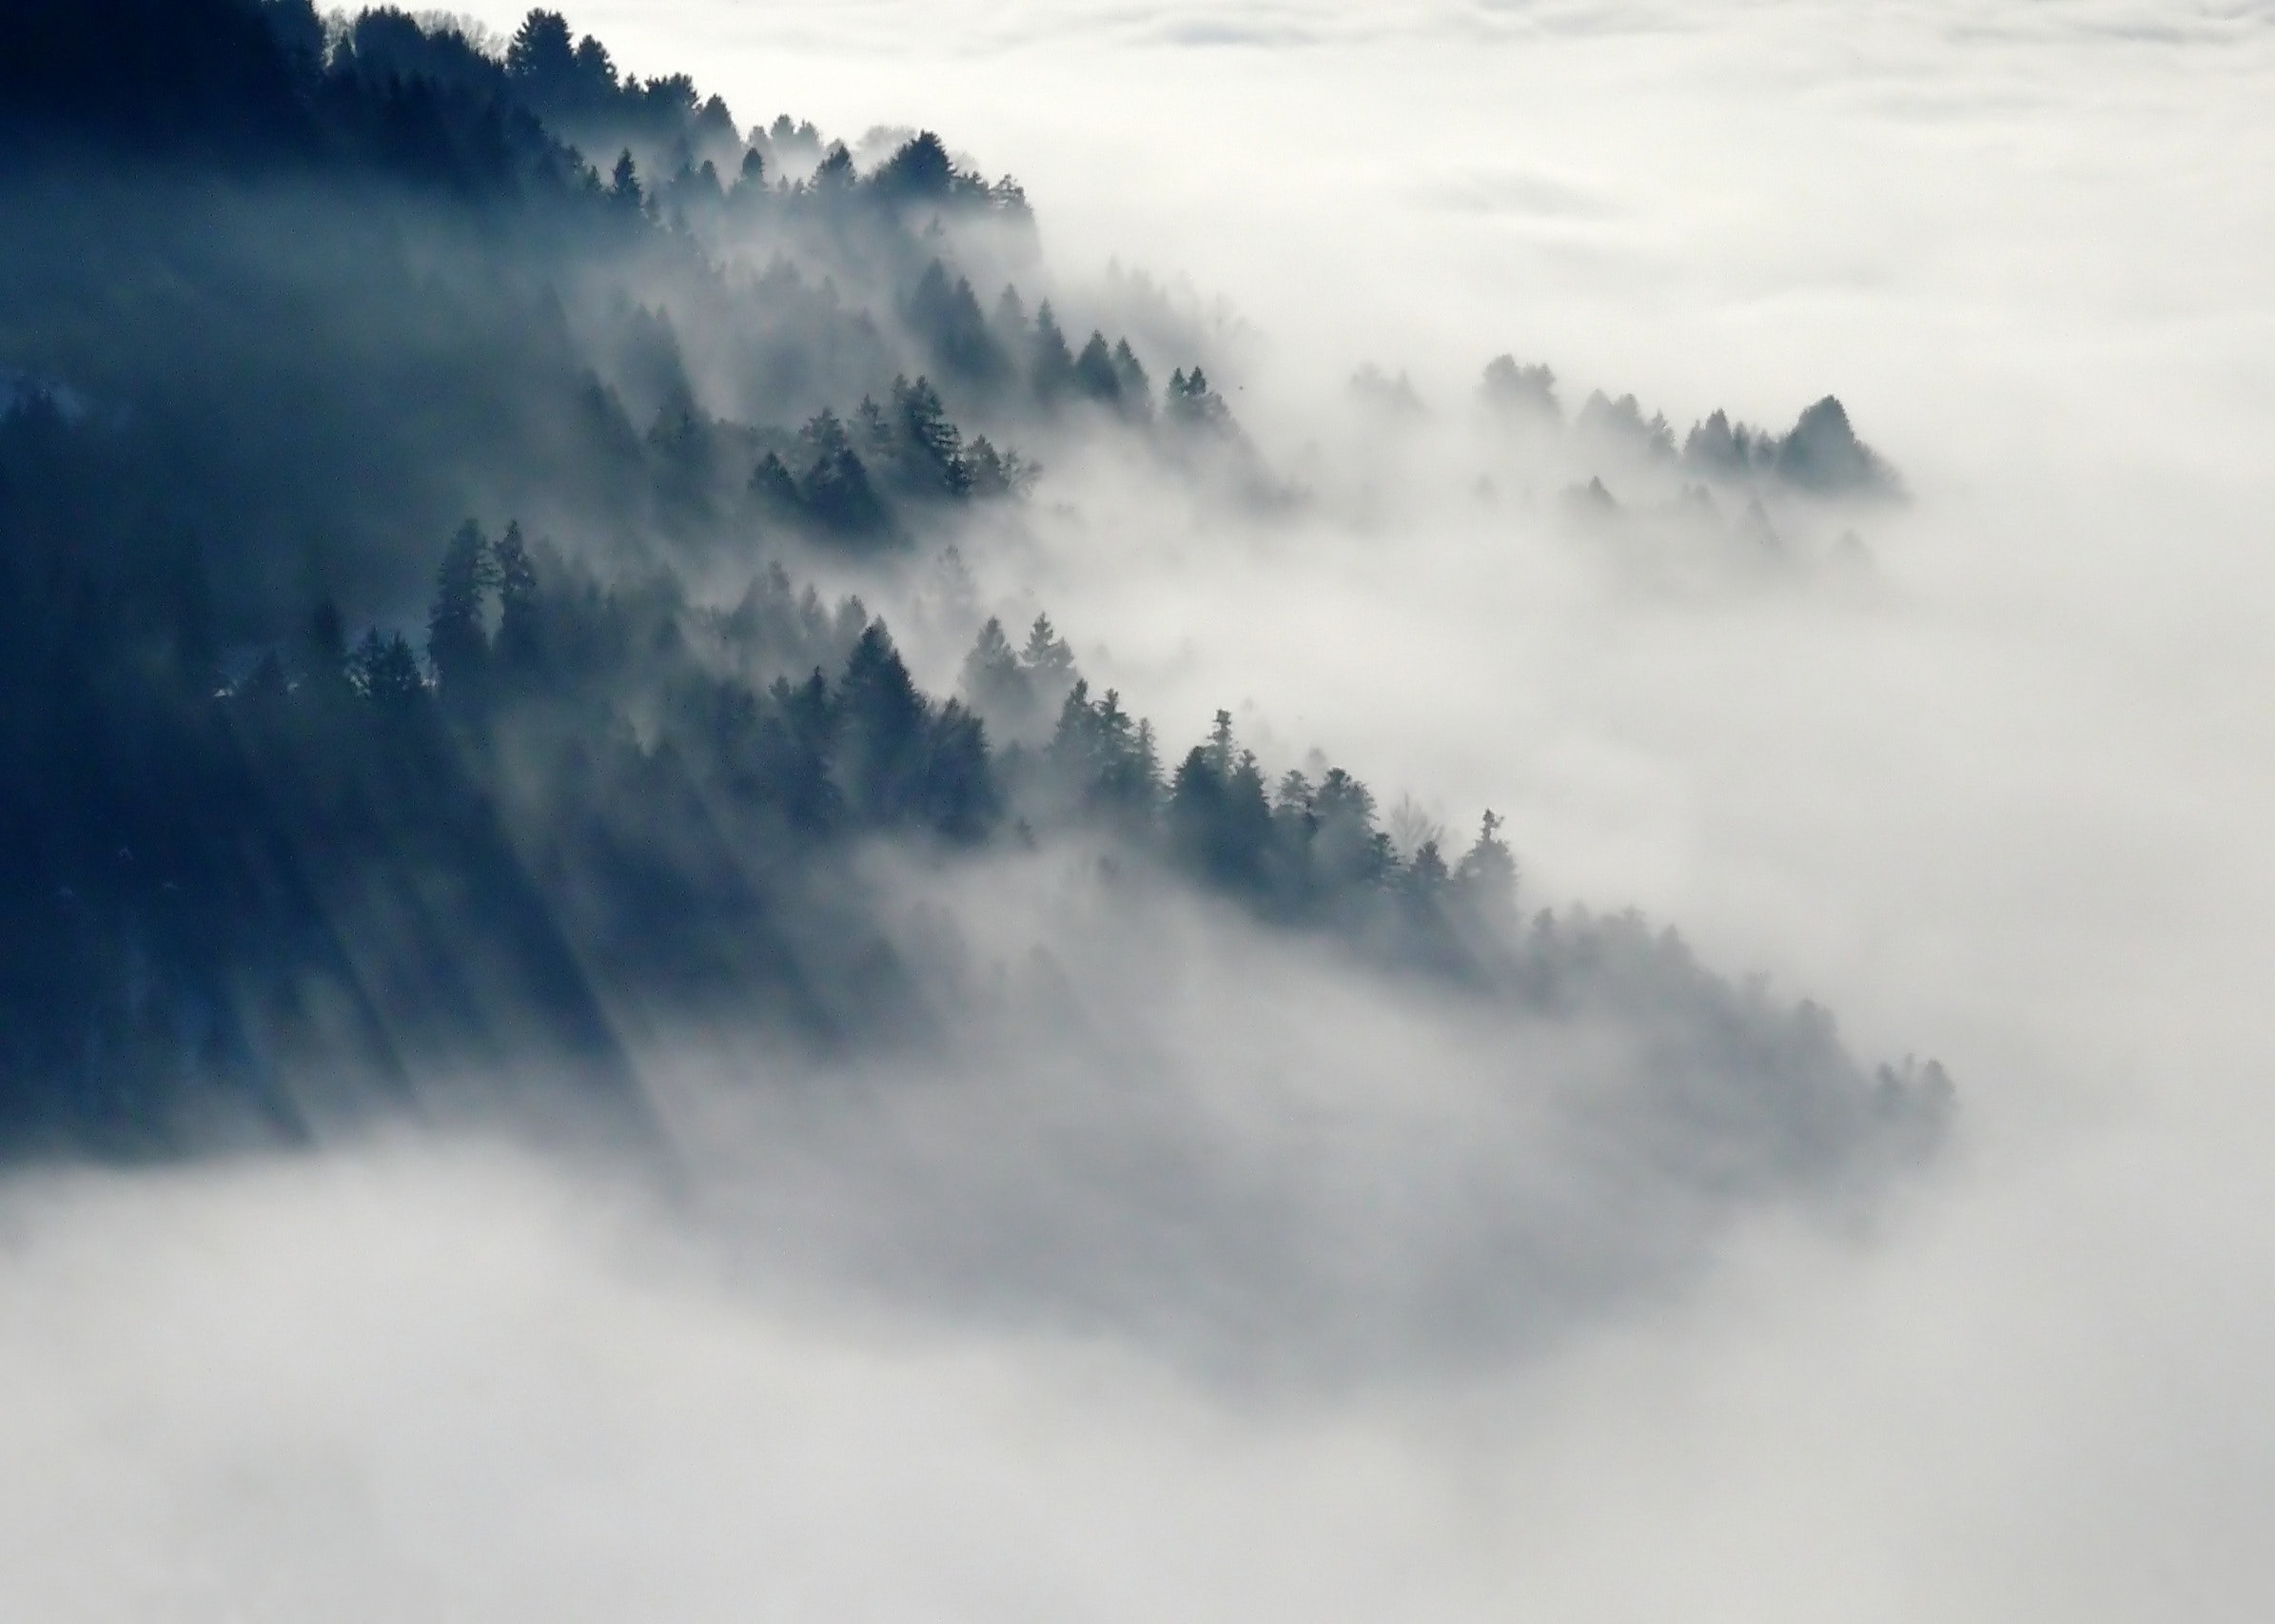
column 623, row 1133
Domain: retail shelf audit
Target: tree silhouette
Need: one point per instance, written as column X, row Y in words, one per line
column 520, row 640
column 1488, row 873
column 1192, row 403
column 1095, row 374
column 457, row 642
column 385, row 671
column 1051, row 364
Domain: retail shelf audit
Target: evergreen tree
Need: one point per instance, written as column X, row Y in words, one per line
column 1008, row 324
column 1220, row 821
column 919, row 172
column 996, row 684
column 1136, row 389
column 837, row 493
column 823, row 436
column 1104, row 760
column 1220, row 746
column 1075, row 752
column 933, row 441
column 1051, row 364
column 833, row 177
column 1349, row 854
column 795, row 747
column 596, row 69
column 1487, row 874
column 875, row 432
column 1095, row 374
column 1049, row 660
column 1141, row 775
column 948, row 319
column 881, row 720
column 835, row 490
column 385, row 671
column 773, row 486
column 519, row 638
column 996, row 473
column 1129, row 781
column 956, row 794
column 1193, row 404
column 540, row 54
column 457, row 644
column 1521, row 391
column 1196, row 799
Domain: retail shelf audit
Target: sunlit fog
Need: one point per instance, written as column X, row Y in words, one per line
column 1255, row 811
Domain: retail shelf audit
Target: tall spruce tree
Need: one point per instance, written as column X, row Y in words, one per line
column 457, row 642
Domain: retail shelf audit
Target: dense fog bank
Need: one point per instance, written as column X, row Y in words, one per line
column 741, row 866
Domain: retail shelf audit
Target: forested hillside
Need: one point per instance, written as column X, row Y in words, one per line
column 412, row 459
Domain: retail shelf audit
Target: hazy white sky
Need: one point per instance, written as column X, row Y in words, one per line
column 2010, row 805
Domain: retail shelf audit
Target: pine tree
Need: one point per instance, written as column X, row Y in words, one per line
column 955, row 795
column 773, row 486
column 1136, row 388
column 385, row 671
column 948, row 318
column 458, row 645
column 1009, row 322
column 996, row 473
column 1190, row 400
column 1095, row 374
column 1220, row 818
column 881, row 721
column 1047, row 657
column 835, row 490
column 517, row 643
column 1425, row 874
column 1050, row 367
column 1348, row 851
column 541, row 55
column 933, row 441
column 1488, row 874
column 996, row 684
column 1219, row 744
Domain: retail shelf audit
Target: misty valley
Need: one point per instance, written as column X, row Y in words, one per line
column 525, row 609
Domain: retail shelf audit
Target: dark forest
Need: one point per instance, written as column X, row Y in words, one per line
column 414, row 462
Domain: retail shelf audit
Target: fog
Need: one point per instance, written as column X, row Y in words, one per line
column 1199, row 1268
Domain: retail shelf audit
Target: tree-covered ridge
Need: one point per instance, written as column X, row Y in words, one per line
column 307, row 779
column 346, row 280
column 1821, row 455
column 581, row 805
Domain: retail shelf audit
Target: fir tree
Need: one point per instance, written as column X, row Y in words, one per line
column 457, row 644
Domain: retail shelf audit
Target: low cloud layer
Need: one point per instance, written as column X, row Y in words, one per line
column 1199, row 1267
column 1259, row 1162
column 427, row 1386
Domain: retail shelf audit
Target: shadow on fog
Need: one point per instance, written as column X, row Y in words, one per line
column 1273, row 1159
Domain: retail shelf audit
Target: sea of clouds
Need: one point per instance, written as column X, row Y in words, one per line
column 1016, row 1344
